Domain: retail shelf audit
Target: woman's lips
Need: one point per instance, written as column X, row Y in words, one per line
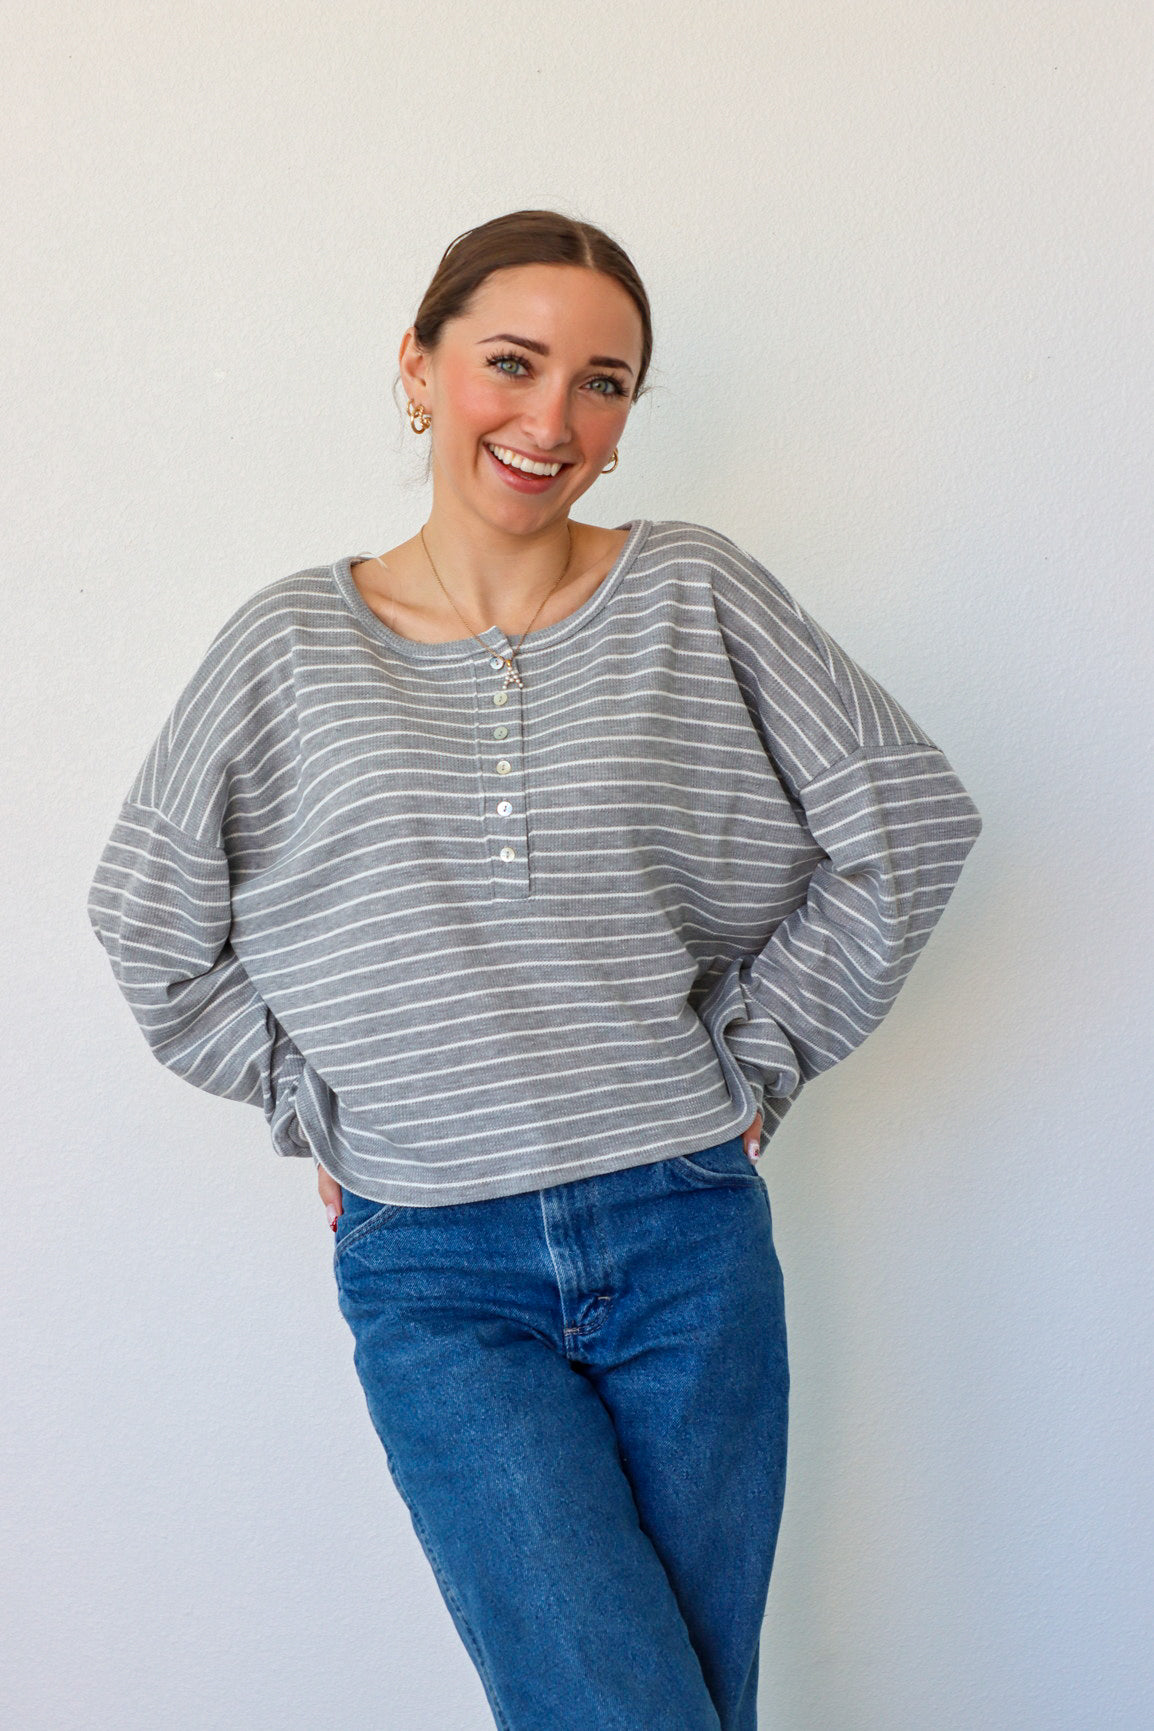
column 519, row 480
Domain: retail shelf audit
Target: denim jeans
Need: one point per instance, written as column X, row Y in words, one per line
column 582, row 1393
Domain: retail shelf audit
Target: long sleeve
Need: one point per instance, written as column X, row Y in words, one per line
column 894, row 824
column 160, row 906
column 161, row 899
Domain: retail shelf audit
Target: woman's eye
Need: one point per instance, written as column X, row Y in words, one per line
column 502, row 362
column 615, row 388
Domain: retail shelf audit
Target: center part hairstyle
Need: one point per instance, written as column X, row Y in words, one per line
column 526, row 237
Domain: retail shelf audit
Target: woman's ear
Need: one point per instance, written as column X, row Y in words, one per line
column 414, row 365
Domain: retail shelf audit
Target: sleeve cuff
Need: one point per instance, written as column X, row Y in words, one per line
column 743, row 1031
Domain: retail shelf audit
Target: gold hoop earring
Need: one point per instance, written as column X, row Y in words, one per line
column 609, row 467
column 419, row 417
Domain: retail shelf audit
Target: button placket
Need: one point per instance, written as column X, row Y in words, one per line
column 499, row 740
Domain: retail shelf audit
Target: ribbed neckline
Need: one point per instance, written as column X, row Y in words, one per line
column 459, row 649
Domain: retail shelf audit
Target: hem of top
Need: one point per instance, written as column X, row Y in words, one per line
column 461, row 648
column 400, row 1197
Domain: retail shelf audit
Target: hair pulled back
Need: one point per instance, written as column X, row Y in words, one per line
column 526, row 237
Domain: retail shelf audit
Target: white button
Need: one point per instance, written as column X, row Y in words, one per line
column 500, row 697
column 500, row 733
column 503, row 808
column 496, row 663
column 507, row 854
column 503, row 766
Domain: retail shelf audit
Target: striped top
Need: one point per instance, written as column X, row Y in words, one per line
column 459, row 941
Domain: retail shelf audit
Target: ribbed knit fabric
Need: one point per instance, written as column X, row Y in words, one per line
column 459, row 942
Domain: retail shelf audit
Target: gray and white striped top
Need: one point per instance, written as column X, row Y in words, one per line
column 459, row 941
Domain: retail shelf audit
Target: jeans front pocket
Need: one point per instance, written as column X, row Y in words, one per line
column 359, row 1217
column 726, row 1163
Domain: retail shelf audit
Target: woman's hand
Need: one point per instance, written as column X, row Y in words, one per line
column 330, row 1195
column 751, row 1138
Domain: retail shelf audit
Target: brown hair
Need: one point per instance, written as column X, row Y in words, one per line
column 526, row 237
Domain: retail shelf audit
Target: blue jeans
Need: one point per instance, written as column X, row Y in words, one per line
column 582, row 1392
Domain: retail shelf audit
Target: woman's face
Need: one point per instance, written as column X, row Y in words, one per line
column 540, row 369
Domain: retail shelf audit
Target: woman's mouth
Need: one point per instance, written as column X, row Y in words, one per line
column 524, row 474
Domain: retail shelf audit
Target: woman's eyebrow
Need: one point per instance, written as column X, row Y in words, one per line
column 541, row 349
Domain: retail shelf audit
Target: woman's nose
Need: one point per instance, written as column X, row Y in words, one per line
column 546, row 418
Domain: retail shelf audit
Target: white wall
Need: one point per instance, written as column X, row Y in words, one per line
column 897, row 254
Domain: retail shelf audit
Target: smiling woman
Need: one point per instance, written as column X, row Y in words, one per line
column 528, row 385
column 524, row 874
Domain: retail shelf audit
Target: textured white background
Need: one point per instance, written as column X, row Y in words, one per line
column 898, row 256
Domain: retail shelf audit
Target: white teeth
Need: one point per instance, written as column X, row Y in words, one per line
column 526, row 463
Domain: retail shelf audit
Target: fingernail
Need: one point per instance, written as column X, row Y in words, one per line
column 333, row 1215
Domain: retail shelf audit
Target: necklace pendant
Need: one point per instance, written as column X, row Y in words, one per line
column 512, row 677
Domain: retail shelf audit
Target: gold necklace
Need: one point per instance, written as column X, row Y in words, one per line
column 512, row 677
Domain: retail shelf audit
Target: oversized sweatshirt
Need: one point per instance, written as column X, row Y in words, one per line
column 460, row 938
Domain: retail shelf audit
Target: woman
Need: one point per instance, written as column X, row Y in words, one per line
column 524, row 874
